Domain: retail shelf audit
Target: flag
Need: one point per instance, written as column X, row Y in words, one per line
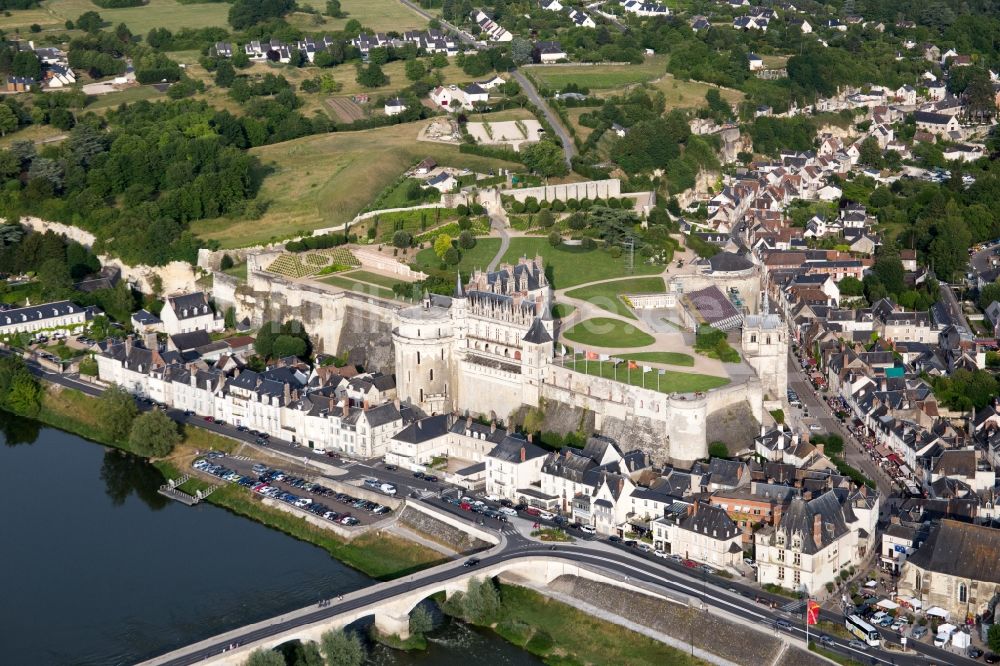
column 562, row 350
column 646, row 368
column 632, row 365
column 605, row 357
column 591, row 356
column 662, row 371
column 812, row 612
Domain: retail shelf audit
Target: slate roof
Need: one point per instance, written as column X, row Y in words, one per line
column 960, row 549
column 509, row 450
column 800, row 515
column 186, row 306
column 192, row 340
column 537, row 334
column 39, row 312
column 729, row 262
column 423, row 430
column 709, row 520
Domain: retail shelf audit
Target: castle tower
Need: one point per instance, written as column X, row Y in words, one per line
column 422, row 337
column 536, row 352
column 765, row 347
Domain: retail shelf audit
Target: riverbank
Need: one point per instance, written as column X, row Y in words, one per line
column 378, row 555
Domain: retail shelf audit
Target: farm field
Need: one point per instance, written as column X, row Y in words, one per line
column 168, row 14
column 607, row 295
column 573, row 265
column 597, row 77
column 691, row 94
column 322, row 181
column 379, row 15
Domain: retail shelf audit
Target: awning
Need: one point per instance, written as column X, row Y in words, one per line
column 937, row 611
column 883, row 451
column 888, row 605
column 896, row 459
column 912, row 602
column 871, row 583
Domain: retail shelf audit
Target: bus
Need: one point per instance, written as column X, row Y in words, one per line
column 863, row 631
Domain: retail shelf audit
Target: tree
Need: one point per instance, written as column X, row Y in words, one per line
column 441, row 245
column 246, row 13
column 988, row 294
column 54, row 278
column 226, row 262
column 718, row 450
column 851, row 286
column 153, row 435
column 26, row 63
column 466, row 240
column 555, row 239
column 421, row 621
column 521, row 51
column 230, row 318
column 342, row 649
column 262, row 657
column 90, row 22
column 870, row 153
column 481, row 603
column 287, row 345
column 452, row 256
column 225, row 74
column 333, row 9
column 415, row 69
column 116, row 412
column 544, row 158
column 371, row 76
column 545, row 219
column 993, row 638
column 402, row 239
column 20, row 392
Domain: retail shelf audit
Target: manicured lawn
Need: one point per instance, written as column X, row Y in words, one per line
column 478, row 257
column 664, row 381
column 607, row 295
column 361, row 287
column 667, row 358
column 605, row 332
column 562, row 634
column 597, row 77
column 237, row 271
column 562, row 310
column 324, row 181
column 573, row 265
column 386, row 281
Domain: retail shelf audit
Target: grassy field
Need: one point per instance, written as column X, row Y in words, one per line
column 37, row 133
column 573, row 265
column 168, row 14
column 607, row 295
column 129, row 95
column 386, row 281
column 691, row 94
column 478, row 257
column 353, row 284
column 606, row 332
column 562, row 310
column 666, row 358
column 382, row 15
column 322, row 181
column 561, row 634
column 598, row 77
column 574, row 118
column 664, row 381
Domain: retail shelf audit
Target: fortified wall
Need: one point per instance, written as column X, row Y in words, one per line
column 591, row 189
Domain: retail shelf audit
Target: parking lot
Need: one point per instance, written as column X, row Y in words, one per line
column 294, row 490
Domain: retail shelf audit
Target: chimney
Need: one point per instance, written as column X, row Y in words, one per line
column 493, row 426
column 818, row 529
column 364, row 405
column 807, row 495
column 128, row 344
column 149, row 340
column 524, row 453
column 692, row 509
column 194, row 377
column 288, row 392
column 236, row 372
column 763, row 430
column 776, row 514
column 395, row 402
column 621, row 485
column 468, row 421
column 894, row 520
column 821, row 449
column 345, row 410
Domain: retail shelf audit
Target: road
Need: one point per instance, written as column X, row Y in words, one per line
column 950, row 301
column 819, row 412
column 462, row 35
column 569, row 148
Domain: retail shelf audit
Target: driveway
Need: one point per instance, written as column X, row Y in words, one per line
column 569, row 148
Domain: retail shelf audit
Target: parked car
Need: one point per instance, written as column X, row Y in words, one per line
column 660, row 553
column 546, row 515
column 992, row 658
column 588, row 529
column 918, row 631
column 972, row 652
column 532, row 511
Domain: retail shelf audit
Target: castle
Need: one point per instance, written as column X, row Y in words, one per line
column 488, row 349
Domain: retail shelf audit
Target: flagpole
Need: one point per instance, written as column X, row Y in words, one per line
column 807, row 623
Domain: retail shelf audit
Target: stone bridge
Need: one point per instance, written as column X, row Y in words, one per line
column 390, row 604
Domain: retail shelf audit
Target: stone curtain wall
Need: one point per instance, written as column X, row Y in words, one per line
column 591, row 189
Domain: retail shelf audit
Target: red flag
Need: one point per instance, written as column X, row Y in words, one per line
column 632, row 365
column 812, row 612
column 591, row 356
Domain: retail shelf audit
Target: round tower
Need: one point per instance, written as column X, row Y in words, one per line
column 686, row 427
column 422, row 337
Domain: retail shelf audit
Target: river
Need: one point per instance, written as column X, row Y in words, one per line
column 101, row 570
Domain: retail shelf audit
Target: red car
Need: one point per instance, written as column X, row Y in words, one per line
column 465, row 506
column 210, row 419
column 532, row 511
column 691, row 564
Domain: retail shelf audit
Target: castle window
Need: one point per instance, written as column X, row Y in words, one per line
column 432, row 374
column 753, row 337
column 418, row 358
column 769, row 339
column 963, row 593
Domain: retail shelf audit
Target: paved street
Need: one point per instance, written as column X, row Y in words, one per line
column 569, row 148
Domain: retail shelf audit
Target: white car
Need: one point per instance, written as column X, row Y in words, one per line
column 507, row 511
column 588, row 529
column 492, row 498
column 644, row 547
column 545, row 515
column 661, row 553
column 815, row 426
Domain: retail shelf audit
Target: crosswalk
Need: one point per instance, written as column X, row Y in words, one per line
column 794, row 607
